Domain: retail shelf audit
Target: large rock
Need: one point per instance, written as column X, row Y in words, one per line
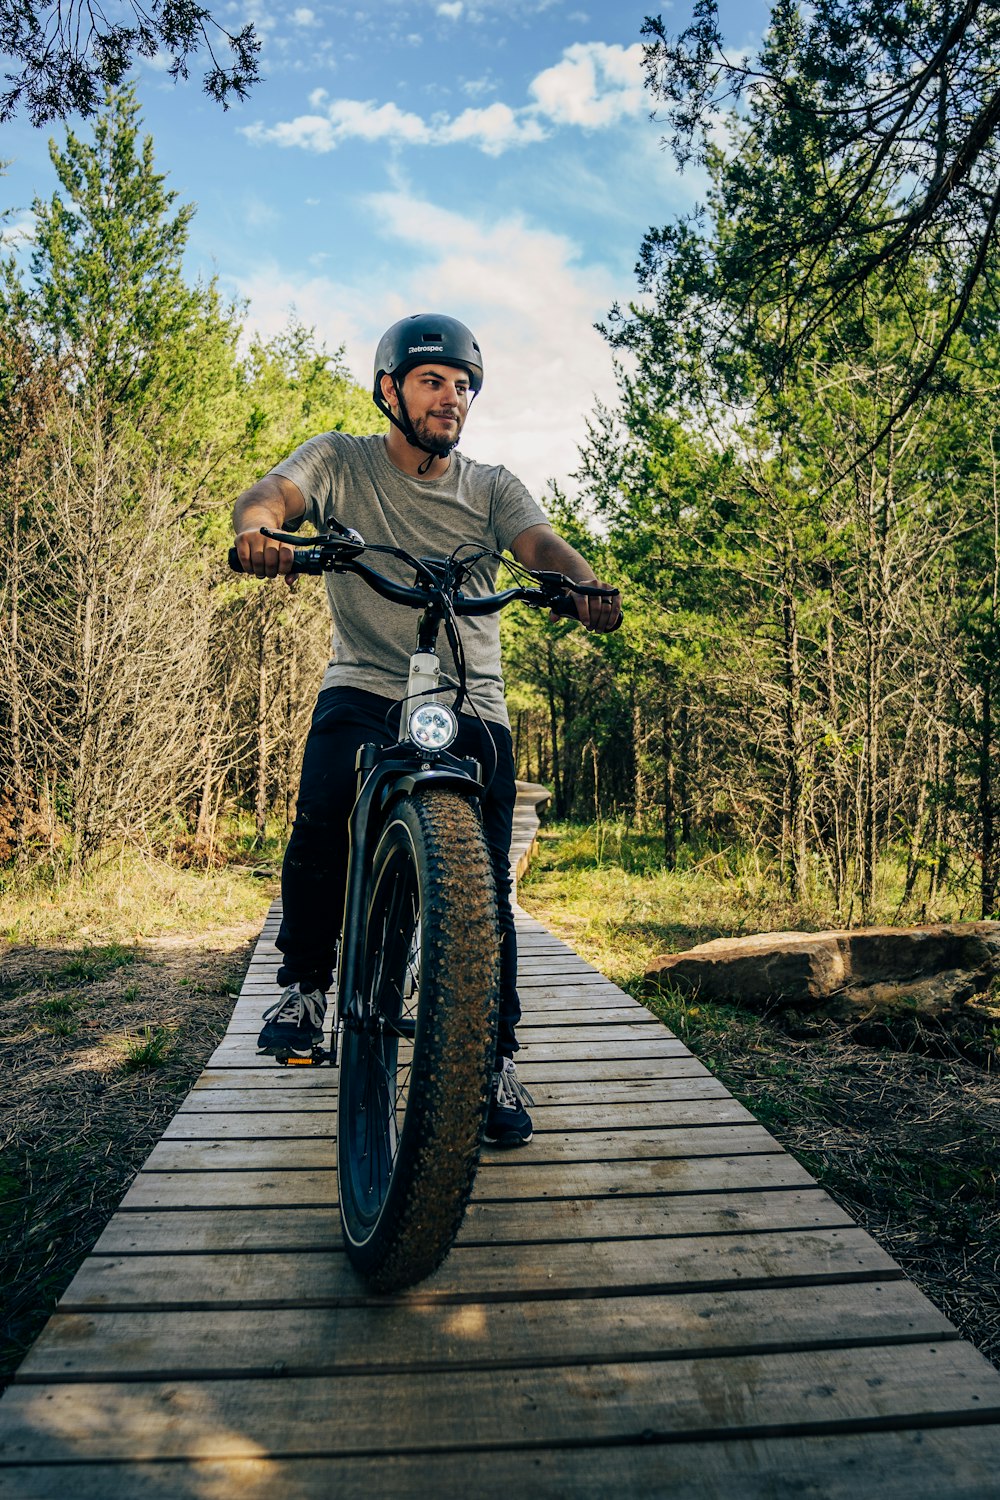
column 868, row 965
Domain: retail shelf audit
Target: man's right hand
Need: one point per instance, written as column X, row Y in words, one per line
column 264, row 557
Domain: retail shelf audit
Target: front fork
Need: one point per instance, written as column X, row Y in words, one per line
column 384, row 775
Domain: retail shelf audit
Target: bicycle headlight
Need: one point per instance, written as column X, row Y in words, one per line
column 432, row 726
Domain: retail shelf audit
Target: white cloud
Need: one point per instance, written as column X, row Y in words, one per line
column 523, row 290
column 475, row 87
column 493, row 129
column 311, row 132
column 452, row 10
column 592, row 87
column 371, row 122
column 19, row 231
column 303, row 16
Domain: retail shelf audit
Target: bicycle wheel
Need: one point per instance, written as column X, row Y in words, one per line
column 414, row 1075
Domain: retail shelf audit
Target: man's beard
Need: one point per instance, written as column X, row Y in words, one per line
column 434, row 441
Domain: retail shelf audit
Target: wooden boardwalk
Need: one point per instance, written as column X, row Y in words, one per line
column 650, row 1299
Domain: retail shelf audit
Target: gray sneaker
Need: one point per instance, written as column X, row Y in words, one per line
column 294, row 1023
column 508, row 1122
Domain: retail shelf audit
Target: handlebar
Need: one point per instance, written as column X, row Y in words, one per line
column 341, row 554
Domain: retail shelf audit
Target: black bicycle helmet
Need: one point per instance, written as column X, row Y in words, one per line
column 423, row 339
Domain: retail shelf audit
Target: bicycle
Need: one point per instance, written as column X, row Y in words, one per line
column 419, row 957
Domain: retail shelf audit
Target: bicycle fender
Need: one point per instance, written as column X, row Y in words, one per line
column 414, row 781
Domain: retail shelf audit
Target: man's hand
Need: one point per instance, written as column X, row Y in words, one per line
column 544, row 550
column 597, row 611
column 264, row 557
column 276, row 503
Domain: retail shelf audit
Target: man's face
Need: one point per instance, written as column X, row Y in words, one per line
column 437, row 399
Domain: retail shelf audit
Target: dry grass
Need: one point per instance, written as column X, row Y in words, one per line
column 100, row 1040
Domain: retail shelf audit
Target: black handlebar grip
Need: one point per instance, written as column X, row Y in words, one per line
column 234, row 560
column 565, row 604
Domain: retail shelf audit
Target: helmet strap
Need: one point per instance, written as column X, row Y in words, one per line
column 406, row 428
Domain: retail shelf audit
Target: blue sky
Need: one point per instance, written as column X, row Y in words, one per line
column 493, row 159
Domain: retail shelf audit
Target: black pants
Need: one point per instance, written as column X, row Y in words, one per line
column 314, row 874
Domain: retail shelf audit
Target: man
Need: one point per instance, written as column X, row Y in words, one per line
column 407, row 488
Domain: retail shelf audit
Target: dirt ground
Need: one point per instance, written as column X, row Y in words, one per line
column 98, row 1046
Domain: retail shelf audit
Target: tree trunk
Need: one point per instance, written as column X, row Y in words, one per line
column 987, row 796
column 638, row 778
column 684, row 777
column 669, row 791
column 18, row 780
column 795, row 791
column 557, row 782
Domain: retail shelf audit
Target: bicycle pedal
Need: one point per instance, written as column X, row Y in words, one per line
column 316, row 1058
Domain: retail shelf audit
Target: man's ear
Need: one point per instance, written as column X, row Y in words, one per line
column 389, row 391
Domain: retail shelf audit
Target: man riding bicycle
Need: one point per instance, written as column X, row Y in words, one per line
column 407, row 488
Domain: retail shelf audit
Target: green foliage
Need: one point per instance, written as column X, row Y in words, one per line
column 68, row 54
column 107, row 292
column 144, row 693
column 796, row 489
column 863, row 143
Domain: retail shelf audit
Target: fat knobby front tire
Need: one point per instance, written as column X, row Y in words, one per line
column 414, row 1076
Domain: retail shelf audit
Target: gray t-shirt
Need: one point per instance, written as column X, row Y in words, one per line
column 354, row 479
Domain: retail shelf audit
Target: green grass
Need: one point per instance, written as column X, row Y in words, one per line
column 607, row 887
column 58, row 1013
column 94, row 963
column 150, row 1049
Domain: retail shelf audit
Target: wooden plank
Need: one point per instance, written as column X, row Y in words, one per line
column 746, row 1397
column 633, row 1218
column 219, row 1102
column 584, row 1015
column 296, row 1083
column 688, row 1140
column 535, row 1070
column 488, row 1272
column 254, row 998
column 635, row 1145
column 247, row 1016
column 389, row 1337
column 588, row 1179
column 698, row 1107
column 246, row 1019
column 271, row 1230
column 241, row 1050
column 953, row 1463
column 202, row 1106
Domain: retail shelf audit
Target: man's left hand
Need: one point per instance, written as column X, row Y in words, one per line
column 598, row 611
